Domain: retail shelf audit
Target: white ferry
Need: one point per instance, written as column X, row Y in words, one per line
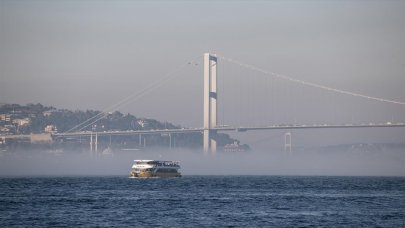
column 153, row 168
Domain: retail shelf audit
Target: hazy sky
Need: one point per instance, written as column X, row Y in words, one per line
column 91, row 54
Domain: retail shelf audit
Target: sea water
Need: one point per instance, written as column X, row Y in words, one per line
column 203, row 201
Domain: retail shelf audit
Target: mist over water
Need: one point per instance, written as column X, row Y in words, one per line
column 194, row 162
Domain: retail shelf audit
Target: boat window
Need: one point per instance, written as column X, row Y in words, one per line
column 167, row 170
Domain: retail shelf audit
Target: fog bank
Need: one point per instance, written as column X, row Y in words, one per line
column 360, row 163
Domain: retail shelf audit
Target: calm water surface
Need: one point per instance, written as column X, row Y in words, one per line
column 204, row 201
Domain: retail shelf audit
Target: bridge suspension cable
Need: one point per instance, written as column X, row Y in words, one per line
column 284, row 77
column 134, row 96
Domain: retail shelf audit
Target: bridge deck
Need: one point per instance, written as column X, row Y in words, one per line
column 230, row 128
column 227, row 128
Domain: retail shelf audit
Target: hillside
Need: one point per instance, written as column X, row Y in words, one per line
column 18, row 119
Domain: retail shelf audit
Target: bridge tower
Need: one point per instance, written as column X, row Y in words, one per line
column 210, row 103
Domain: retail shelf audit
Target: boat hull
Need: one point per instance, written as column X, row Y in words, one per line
column 154, row 174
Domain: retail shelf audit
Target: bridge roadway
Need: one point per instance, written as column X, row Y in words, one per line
column 220, row 128
column 228, row 128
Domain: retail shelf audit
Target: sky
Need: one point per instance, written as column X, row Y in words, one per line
column 92, row 54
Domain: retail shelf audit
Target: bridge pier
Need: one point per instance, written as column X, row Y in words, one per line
column 170, row 141
column 91, row 143
column 287, row 142
column 210, row 103
column 95, row 143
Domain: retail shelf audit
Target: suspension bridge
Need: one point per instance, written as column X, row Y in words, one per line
column 274, row 99
column 210, row 105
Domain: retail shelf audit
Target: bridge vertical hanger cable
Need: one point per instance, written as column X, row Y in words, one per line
column 327, row 88
column 252, row 106
column 255, row 93
column 297, row 106
column 273, row 103
column 291, row 103
column 223, row 93
column 240, row 97
column 295, row 102
column 266, row 94
column 249, row 95
column 251, row 99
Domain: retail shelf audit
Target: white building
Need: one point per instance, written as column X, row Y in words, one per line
column 5, row 117
column 22, row 122
column 51, row 129
column 143, row 123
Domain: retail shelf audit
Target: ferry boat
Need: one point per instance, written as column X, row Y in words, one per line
column 154, row 168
